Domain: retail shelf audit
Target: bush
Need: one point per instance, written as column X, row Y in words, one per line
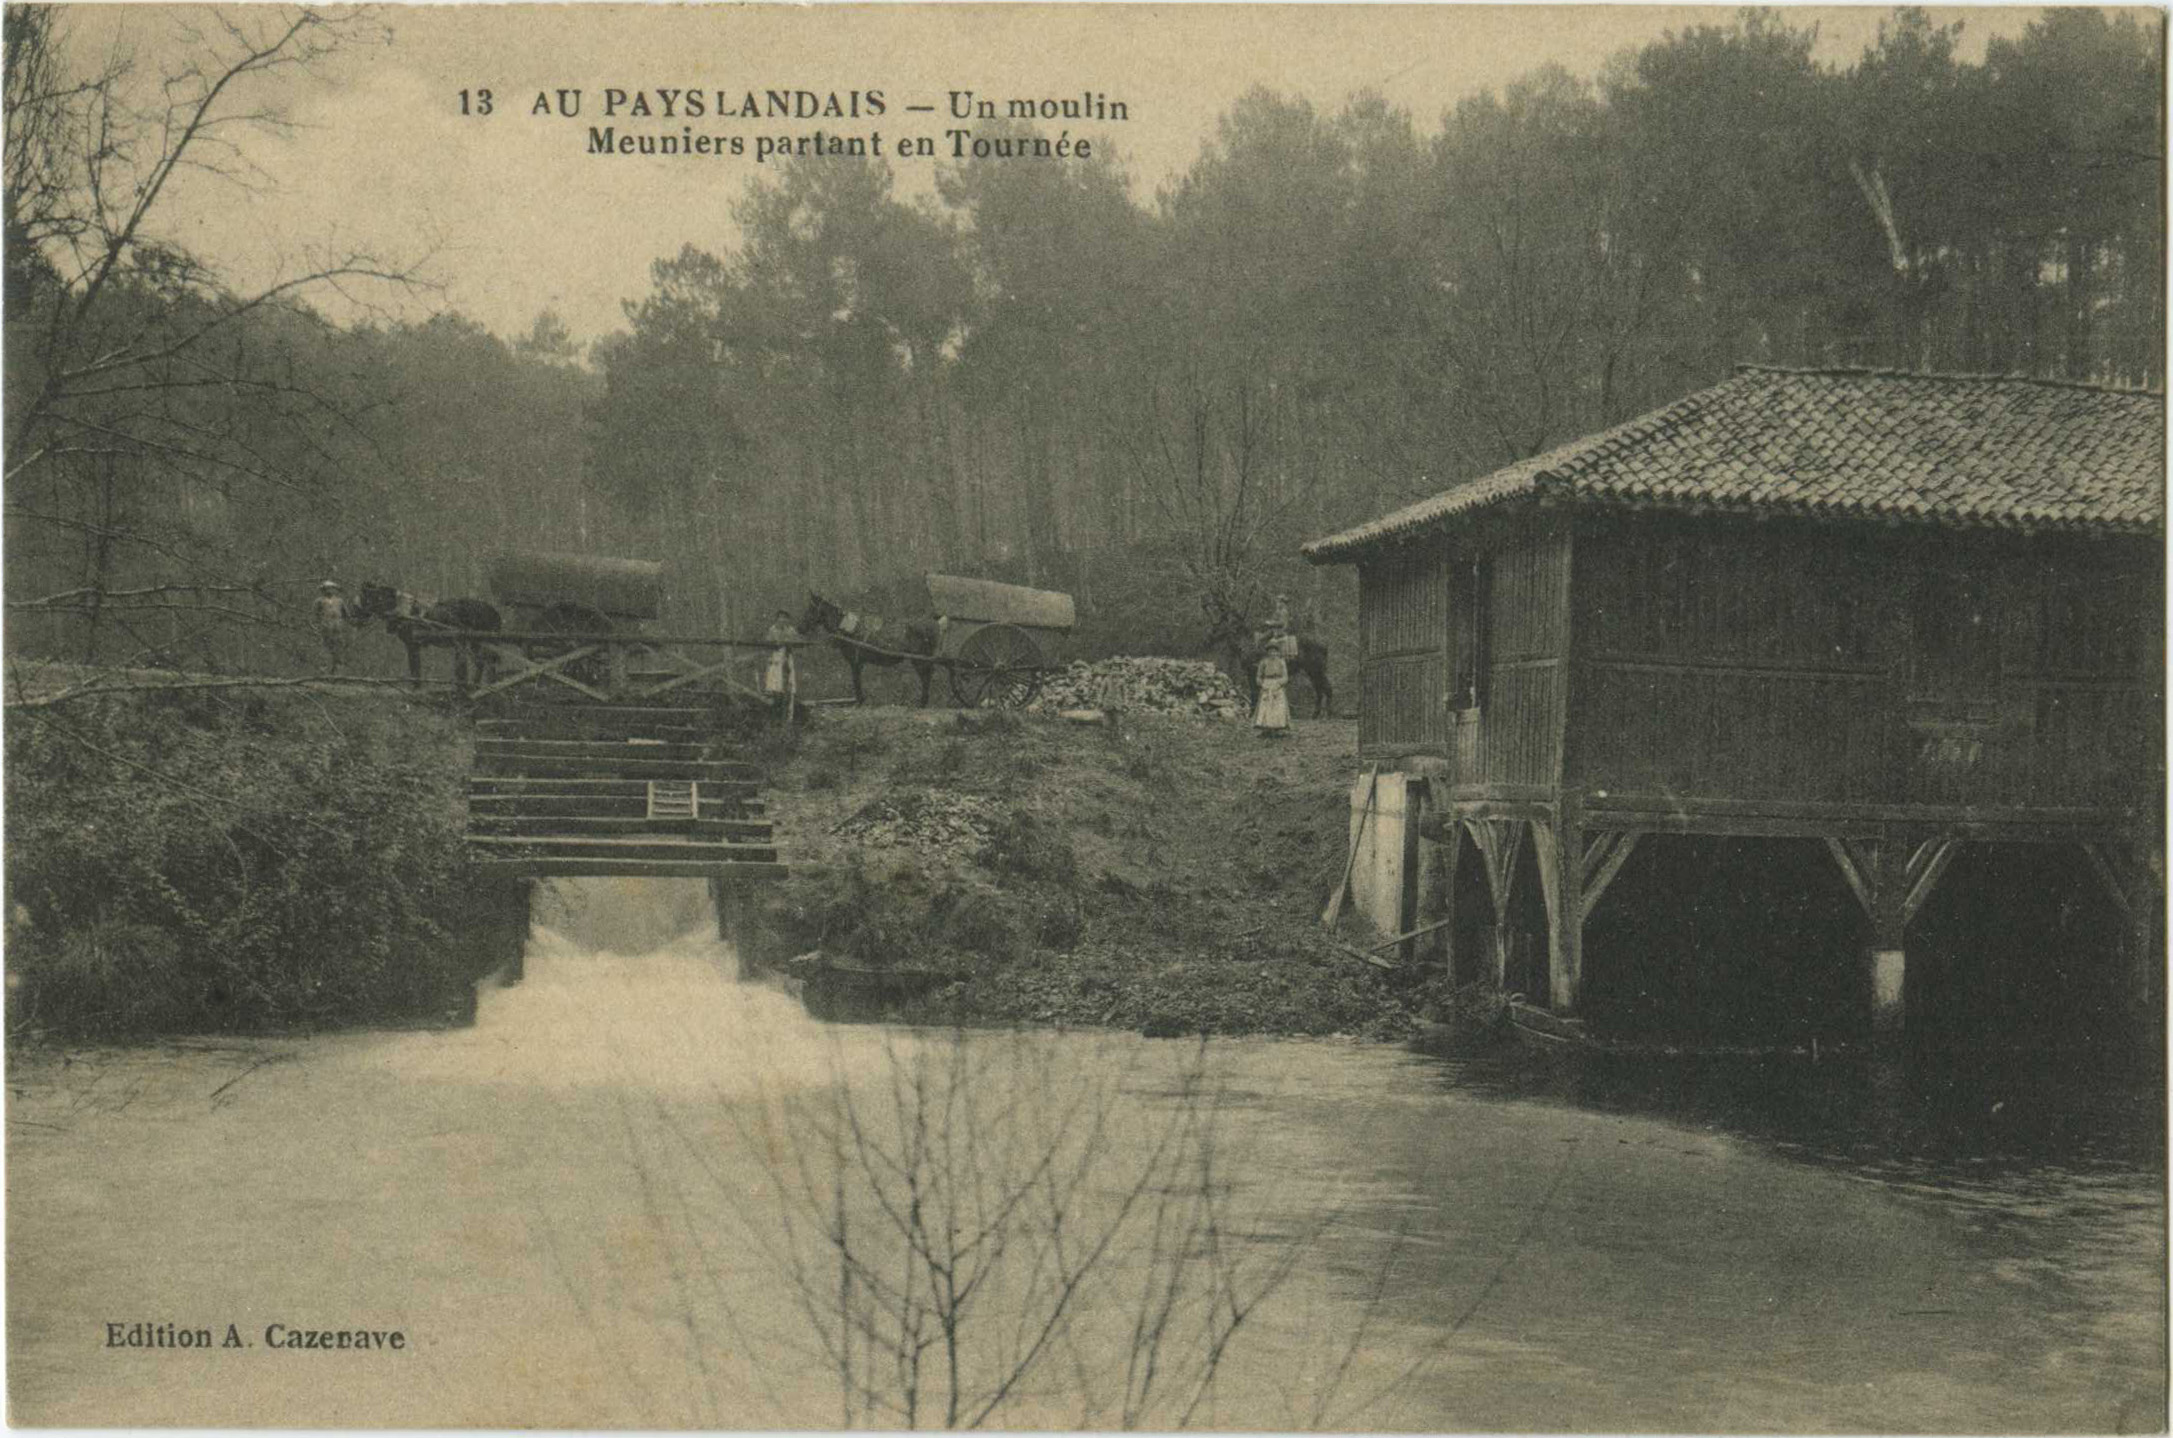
column 979, row 922
column 1030, row 849
column 1061, row 924
column 894, row 920
column 184, row 864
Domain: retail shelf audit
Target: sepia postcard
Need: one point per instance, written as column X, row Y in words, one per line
column 1081, row 717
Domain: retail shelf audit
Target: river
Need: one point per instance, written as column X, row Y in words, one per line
column 640, row 1193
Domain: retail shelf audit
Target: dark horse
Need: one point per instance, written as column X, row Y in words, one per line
column 413, row 621
column 1245, row 651
column 913, row 637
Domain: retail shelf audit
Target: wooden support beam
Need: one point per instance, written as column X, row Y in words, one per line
column 1599, row 876
column 1510, row 845
column 694, row 673
column 1885, row 971
column 548, row 669
column 1561, row 878
column 2110, row 871
column 1860, row 870
column 1925, row 867
column 1598, row 848
column 1452, row 860
column 1488, row 843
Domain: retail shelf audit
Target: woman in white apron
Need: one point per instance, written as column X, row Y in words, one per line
column 1271, row 717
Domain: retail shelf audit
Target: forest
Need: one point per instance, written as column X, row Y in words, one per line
column 1037, row 372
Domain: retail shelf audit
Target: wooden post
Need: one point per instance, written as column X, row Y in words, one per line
column 2131, row 881
column 724, row 897
column 1886, row 961
column 1560, row 853
column 1452, row 852
column 514, row 919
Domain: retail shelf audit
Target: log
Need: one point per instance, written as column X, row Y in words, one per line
column 986, row 601
column 1415, row 933
column 621, row 588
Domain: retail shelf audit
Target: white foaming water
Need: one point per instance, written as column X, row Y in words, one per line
column 627, row 983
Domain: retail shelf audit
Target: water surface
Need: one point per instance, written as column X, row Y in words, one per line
column 611, row 1203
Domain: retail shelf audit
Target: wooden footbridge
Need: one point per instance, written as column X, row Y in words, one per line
column 602, row 750
column 562, row 789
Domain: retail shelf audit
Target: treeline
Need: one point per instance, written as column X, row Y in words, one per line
column 1037, row 373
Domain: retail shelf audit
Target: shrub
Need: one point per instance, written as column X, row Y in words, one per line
column 1029, row 849
column 191, row 865
column 1061, row 924
column 979, row 921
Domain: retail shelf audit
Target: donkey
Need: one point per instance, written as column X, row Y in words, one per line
column 414, row 620
column 850, row 632
column 1245, row 652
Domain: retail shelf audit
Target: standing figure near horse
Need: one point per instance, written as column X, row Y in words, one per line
column 415, row 621
column 780, row 675
column 335, row 619
column 1245, row 651
column 1271, row 683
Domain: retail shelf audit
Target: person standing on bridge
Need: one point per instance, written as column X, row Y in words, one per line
column 781, row 676
column 335, row 621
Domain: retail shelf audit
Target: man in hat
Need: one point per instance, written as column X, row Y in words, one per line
column 335, row 621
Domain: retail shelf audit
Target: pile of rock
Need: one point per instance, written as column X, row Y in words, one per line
column 929, row 821
column 1150, row 683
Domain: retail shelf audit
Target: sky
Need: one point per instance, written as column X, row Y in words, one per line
column 515, row 216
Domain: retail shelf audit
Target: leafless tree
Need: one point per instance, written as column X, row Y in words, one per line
column 1206, row 444
column 156, row 415
column 980, row 1234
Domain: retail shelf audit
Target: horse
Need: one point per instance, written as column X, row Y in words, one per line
column 1246, row 651
column 850, row 632
column 413, row 620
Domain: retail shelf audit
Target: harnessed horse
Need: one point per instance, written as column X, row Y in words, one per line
column 1311, row 660
column 415, row 620
column 852, row 633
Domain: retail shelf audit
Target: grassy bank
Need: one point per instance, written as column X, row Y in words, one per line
column 1169, row 882
column 231, row 863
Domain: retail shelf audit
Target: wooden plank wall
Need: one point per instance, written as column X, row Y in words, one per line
column 1403, row 621
column 1406, row 628
column 1519, row 719
column 1794, row 665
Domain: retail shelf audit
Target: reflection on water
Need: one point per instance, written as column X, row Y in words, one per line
column 1947, row 1115
column 601, row 1205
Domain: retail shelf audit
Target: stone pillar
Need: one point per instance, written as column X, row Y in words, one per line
column 1886, row 964
column 1889, row 1014
column 518, row 920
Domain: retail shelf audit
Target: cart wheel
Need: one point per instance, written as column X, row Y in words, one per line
column 999, row 666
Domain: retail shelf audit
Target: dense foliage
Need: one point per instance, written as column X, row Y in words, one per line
column 181, row 864
column 1035, row 372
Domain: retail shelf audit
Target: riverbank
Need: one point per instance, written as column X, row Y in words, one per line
column 241, row 862
column 1005, row 869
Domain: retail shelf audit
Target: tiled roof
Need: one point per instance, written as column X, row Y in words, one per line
column 1854, row 444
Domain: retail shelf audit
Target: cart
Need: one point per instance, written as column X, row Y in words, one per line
column 577, row 593
column 589, row 599
column 990, row 637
